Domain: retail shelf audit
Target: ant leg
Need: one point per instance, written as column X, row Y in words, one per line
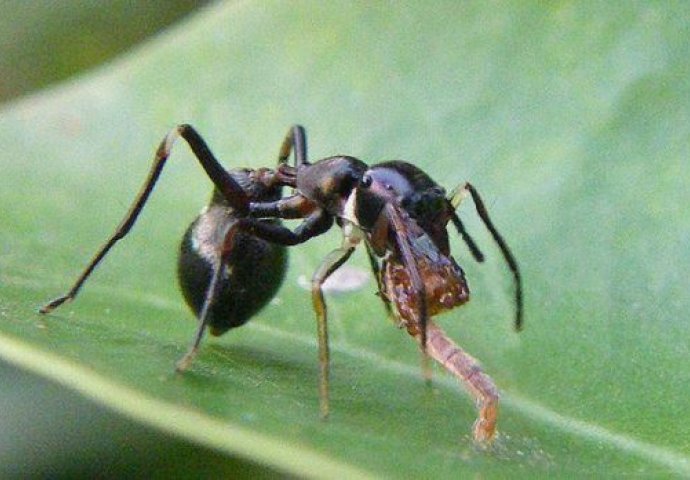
column 330, row 264
column 376, row 269
column 457, row 195
column 211, row 294
column 417, row 285
column 292, row 207
column 218, row 175
column 467, row 369
column 411, row 266
column 296, row 139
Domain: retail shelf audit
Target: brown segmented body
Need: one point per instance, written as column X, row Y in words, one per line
column 444, row 283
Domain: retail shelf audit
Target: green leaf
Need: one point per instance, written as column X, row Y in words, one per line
column 79, row 34
column 571, row 119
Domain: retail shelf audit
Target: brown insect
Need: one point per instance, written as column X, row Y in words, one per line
column 419, row 278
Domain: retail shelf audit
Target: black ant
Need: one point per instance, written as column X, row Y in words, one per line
column 233, row 256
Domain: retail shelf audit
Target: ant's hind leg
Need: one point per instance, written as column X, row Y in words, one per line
column 218, row 175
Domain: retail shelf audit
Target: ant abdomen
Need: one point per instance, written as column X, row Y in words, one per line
column 252, row 273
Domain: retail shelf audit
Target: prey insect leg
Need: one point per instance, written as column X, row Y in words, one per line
column 467, row 369
column 218, row 175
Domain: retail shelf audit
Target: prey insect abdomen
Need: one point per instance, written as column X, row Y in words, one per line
column 445, row 288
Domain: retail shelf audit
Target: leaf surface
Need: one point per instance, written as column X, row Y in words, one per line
column 571, row 121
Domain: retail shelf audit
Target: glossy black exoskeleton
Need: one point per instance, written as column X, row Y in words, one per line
column 394, row 208
column 253, row 271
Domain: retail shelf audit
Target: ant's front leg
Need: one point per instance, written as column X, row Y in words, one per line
column 330, row 264
column 315, row 224
column 222, row 180
column 376, row 270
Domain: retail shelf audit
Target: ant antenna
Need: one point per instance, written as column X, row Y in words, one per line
column 503, row 246
column 460, row 227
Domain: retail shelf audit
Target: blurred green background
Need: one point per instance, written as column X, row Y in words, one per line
column 42, row 42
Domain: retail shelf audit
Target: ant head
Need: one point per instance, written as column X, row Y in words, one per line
column 331, row 181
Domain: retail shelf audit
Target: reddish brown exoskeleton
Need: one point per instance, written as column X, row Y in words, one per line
column 418, row 276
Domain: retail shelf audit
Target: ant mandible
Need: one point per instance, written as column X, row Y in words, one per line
column 233, row 256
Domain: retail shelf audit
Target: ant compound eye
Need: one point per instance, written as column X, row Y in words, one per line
column 366, row 181
column 438, row 191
